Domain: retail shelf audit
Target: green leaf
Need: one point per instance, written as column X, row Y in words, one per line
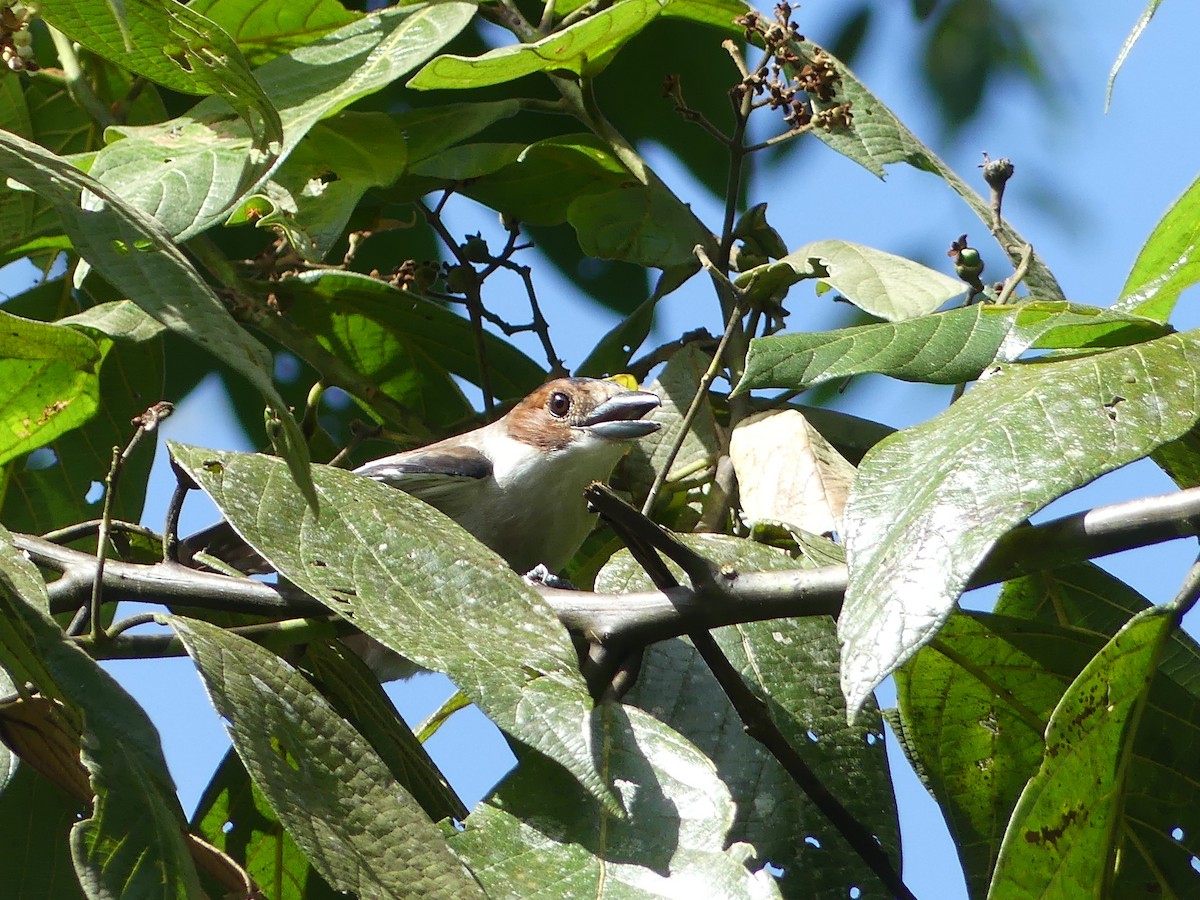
column 541, row 181
column 975, row 703
column 236, row 819
column 186, row 171
column 133, row 842
column 638, row 224
column 411, row 578
column 930, row 502
column 540, row 836
column 49, row 382
column 172, row 45
column 882, row 284
column 1168, row 263
column 1064, row 834
column 39, row 495
column 267, row 28
column 130, row 250
column 584, row 49
column 362, row 831
column 329, row 171
column 408, row 345
column 793, row 665
column 1132, row 38
column 950, row 347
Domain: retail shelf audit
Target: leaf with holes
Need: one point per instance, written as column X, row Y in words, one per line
column 129, row 248
column 931, row 501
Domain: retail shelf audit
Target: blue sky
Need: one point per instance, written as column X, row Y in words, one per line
column 1088, row 189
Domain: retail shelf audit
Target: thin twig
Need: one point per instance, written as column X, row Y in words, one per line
column 706, row 381
column 146, row 423
column 473, row 301
column 1017, row 276
column 91, row 526
column 77, row 84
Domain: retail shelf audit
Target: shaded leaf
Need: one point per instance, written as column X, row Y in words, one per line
column 792, row 664
column 644, row 225
column 540, row 836
column 132, row 844
column 930, row 502
column 236, row 818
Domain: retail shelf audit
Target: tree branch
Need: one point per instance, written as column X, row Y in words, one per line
column 649, row 616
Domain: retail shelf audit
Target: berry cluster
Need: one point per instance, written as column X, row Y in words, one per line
column 790, row 82
column 16, row 41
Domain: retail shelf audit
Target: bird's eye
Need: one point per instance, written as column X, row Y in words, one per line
column 559, row 404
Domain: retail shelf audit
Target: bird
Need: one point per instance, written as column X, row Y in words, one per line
column 517, row 483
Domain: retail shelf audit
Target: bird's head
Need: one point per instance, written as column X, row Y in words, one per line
column 569, row 412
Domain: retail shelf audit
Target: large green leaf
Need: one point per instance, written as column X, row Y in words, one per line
column 361, row 830
column 540, row 837
column 882, row 284
column 49, row 382
column 975, row 704
column 265, row 29
column 1168, row 263
column 930, row 502
column 793, row 665
column 584, row 48
column 411, row 578
column 1065, row 833
column 647, row 225
column 946, row 348
column 171, row 44
column 130, row 250
column 133, row 842
column 186, row 171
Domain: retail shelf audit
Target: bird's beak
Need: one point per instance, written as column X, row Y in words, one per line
column 619, row 418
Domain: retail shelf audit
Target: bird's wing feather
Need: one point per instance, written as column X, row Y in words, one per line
column 428, row 473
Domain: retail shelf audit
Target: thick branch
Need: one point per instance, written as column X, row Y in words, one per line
column 651, row 615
